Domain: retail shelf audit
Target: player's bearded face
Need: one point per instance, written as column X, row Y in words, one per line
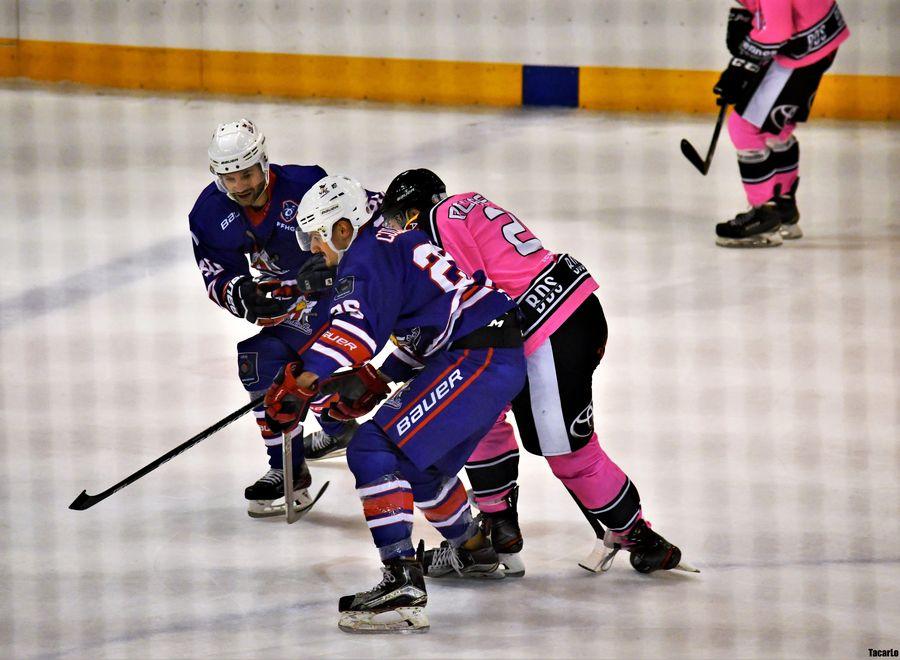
column 247, row 186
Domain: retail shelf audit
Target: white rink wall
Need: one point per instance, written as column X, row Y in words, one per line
column 680, row 34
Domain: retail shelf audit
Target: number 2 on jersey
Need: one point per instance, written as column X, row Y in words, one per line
column 511, row 231
column 441, row 269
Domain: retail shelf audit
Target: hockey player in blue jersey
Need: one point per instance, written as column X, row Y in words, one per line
column 459, row 352
column 247, row 218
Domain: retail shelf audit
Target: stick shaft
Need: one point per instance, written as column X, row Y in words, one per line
column 85, row 501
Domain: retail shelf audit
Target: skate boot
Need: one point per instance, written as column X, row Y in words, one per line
column 449, row 561
column 757, row 227
column 265, row 498
column 319, row 445
column 649, row 551
column 786, row 205
column 506, row 538
column 395, row 605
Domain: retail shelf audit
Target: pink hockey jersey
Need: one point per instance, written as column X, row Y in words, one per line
column 797, row 32
column 480, row 235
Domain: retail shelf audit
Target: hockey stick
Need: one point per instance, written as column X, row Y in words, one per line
column 691, row 154
column 85, row 501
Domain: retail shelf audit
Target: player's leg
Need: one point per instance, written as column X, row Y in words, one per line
column 437, row 420
column 492, row 470
column 259, row 359
column 769, row 155
column 559, row 384
column 397, row 603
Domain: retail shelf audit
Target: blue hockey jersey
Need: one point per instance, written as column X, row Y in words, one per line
column 393, row 284
column 227, row 244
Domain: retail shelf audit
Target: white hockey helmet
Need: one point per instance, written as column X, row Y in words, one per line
column 235, row 146
column 331, row 198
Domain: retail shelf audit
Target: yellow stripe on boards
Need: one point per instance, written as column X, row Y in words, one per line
column 404, row 81
column 672, row 90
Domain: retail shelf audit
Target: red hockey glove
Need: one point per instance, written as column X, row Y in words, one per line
column 351, row 394
column 286, row 400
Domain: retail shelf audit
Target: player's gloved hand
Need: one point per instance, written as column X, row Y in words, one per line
column 314, row 275
column 286, row 400
column 737, row 80
column 351, row 394
column 248, row 299
column 740, row 23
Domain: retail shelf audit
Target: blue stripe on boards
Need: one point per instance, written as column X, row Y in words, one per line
column 550, row 85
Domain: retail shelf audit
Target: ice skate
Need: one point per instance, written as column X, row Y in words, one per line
column 649, row 551
column 506, row 538
column 395, row 605
column 786, row 205
column 265, row 498
column 319, row 445
column 758, row 227
column 449, row 561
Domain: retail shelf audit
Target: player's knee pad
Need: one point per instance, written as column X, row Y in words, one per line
column 575, row 464
column 259, row 359
column 371, row 455
column 745, row 135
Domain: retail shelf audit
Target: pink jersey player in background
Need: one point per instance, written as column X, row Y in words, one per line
column 781, row 49
column 565, row 333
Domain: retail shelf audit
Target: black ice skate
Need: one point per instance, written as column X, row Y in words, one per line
column 786, row 205
column 318, row 444
column 265, row 498
column 506, row 538
column 758, row 227
column 449, row 561
column 649, row 551
column 395, row 605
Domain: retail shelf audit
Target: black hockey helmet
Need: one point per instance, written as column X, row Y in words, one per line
column 410, row 194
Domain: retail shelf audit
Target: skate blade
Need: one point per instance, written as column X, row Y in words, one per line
column 790, row 232
column 597, row 560
column 337, row 453
column 263, row 509
column 403, row 620
column 512, row 564
column 686, row 567
column 770, row 239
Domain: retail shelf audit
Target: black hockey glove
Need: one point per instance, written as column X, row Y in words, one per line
column 247, row 299
column 314, row 275
column 740, row 22
column 737, row 80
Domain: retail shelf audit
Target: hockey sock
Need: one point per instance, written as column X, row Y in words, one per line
column 604, row 493
column 494, row 467
column 448, row 509
column 388, row 507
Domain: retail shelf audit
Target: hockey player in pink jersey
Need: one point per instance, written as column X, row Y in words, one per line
column 565, row 333
column 781, row 49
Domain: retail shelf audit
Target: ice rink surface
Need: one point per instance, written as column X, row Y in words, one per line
column 752, row 396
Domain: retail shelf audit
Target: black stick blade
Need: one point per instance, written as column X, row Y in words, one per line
column 691, row 154
column 82, row 502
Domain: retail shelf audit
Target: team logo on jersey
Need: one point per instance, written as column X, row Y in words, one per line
column 344, row 286
column 781, row 115
column 289, row 210
column 583, row 425
column 247, row 368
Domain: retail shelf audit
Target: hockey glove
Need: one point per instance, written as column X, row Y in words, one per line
column 287, row 402
column 740, row 22
column 248, row 299
column 314, row 275
column 737, row 80
column 351, row 394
